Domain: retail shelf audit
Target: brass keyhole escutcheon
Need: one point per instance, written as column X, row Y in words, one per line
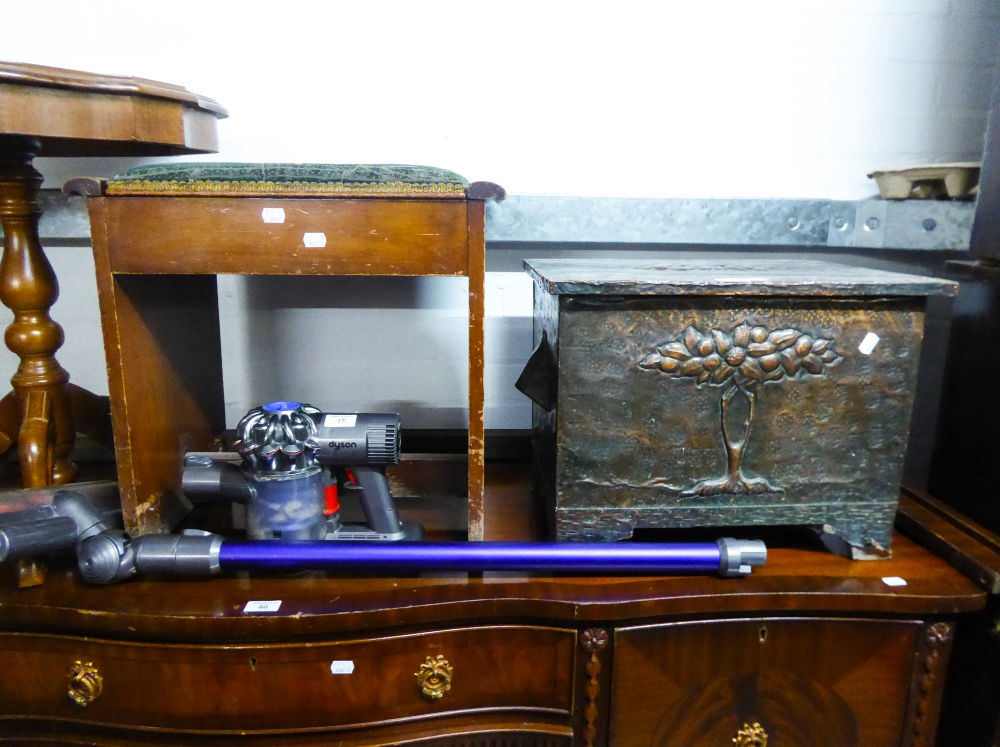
column 751, row 736
column 434, row 677
column 84, row 683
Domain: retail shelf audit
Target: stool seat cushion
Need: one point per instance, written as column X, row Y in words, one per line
column 288, row 179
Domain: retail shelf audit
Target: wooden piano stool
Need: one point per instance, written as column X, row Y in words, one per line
column 161, row 233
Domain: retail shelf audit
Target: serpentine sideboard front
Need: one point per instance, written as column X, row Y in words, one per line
column 811, row 649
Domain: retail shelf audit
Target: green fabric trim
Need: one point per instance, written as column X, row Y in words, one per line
column 283, row 173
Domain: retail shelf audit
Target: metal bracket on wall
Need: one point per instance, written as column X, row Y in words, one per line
column 870, row 224
column 932, row 225
column 843, row 219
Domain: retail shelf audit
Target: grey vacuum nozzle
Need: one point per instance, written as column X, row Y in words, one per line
column 106, row 558
column 30, row 538
column 70, row 518
column 114, row 556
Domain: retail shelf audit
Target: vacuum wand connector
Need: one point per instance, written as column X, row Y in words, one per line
column 738, row 556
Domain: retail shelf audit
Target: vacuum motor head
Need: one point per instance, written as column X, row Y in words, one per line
column 293, row 437
column 279, row 437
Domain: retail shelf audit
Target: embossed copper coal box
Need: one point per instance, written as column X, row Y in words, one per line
column 716, row 393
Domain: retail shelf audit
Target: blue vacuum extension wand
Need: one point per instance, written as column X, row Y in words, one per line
column 113, row 556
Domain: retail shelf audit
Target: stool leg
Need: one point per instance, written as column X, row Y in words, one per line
column 28, row 287
column 477, row 313
column 10, row 421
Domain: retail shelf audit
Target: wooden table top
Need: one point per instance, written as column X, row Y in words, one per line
column 75, row 113
column 799, row 578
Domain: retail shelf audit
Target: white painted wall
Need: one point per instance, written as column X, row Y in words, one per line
column 778, row 98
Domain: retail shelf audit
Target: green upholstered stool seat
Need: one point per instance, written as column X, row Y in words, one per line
column 328, row 180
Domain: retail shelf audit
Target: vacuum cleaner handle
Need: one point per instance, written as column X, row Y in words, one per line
column 376, row 500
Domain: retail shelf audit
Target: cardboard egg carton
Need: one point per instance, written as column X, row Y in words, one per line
column 937, row 181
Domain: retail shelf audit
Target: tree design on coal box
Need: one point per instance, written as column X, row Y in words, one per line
column 745, row 359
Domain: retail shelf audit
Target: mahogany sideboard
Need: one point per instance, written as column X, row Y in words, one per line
column 811, row 649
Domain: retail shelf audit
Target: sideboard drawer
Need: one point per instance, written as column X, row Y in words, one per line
column 777, row 681
column 288, row 687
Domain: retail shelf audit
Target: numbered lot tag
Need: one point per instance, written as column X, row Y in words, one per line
column 340, row 421
column 868, row 344
column 268, row 606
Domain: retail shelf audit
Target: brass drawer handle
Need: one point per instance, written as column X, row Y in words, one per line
column 434, row 677
column 85, row 683
column 751, row 736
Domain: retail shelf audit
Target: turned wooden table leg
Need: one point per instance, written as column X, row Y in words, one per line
column 37, row 413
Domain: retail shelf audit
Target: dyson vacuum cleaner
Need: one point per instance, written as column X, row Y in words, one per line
column 296, row 463
column 294, row 458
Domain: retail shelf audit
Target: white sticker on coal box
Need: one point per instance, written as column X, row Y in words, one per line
column 339, row 421
column 268, row 606
column 314, row 240
column 341, row 667
column 868, row 344
column 273, row 215
column 893, row 581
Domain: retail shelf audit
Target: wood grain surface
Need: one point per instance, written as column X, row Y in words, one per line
column 821, row 682
column 279, row 687
column 844, row 653
column 156, row 258
column 800, row 577
column 152, row 235
column 75, row 113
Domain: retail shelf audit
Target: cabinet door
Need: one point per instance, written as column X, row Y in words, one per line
column 777, row 682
